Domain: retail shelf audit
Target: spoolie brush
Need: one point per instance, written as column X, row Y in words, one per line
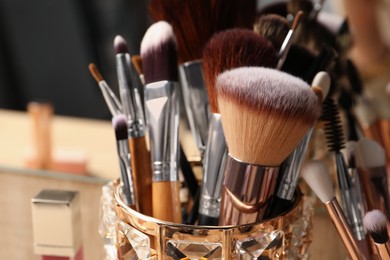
column 272, row 27
column 376, row 225
column 265, row 113
column 225, row 50
column 159, row 64
column 335, row 141
column 317, row 177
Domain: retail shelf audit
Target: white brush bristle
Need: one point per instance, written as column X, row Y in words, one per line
column 374, row 221
column 370, row 154
column 322, row 80
column 157, row 34
column 316, row 175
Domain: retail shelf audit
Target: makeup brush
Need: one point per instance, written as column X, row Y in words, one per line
column 159, row 65
column 289, row 39
column 265, row 113
column 290, row 168
column 225, row 50
column 317, row 177
column 273, row 27
column 373, row 160
column 375, row 223
column 119, row 123
column 109, row 96
column 335, row 141
column 298, row 61
column 133, row 109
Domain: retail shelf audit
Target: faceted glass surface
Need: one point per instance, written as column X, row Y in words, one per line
column 139, row 241
column 184, row 249
column 264, row 246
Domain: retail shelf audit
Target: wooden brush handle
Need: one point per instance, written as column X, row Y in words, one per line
column 166, row 201
column 142, row 174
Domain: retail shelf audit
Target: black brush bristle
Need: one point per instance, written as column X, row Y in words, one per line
column 333, row 127
column 376, row 225
column 299, row 60
column 119, row 123
column 346, row 102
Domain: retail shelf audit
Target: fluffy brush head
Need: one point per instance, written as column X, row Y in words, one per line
column 370, row 154
column 119, row 123
column 316, row 175
column 231, row 49
column 120, row 45
column 273, row 27
column 158, row 53
column 265, row 113
column 375, row 223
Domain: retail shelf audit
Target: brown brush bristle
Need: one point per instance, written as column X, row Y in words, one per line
column 194, row 21
column 158, row 53
column 190, row 20
column 231, row 49
column 95, row 72
column 273, row 27
column 265, row 113
column 137, row 63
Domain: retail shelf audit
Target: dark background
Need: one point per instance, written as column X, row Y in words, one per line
column 46, row 46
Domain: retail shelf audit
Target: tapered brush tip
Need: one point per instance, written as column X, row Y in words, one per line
column 322, row 81
column 231, row 49
column 119, row 123
column 265, row 110
column 375, row 223
column 95, row 72
column 159, row 53
column 316, row 175
column 371, row 154
column 120, row 45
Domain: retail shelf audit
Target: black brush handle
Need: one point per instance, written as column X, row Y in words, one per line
column 189, row 176
column 204, row 220
column 279, row 206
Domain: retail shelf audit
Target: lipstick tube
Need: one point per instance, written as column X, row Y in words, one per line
column 247, row 192
column 56, row 216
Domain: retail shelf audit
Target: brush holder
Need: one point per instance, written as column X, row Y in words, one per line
column 129, row 234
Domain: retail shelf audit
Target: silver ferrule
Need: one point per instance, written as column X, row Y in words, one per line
column 284, row 49
column 214, row 162
column 126, row 176
column 291, row 167
column 162, row 112
column 196, row 101
column 112, row 101
column 247, row 192
column 130, row 96
column 351, row 206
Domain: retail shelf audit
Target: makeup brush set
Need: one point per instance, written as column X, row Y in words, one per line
column 254, row 91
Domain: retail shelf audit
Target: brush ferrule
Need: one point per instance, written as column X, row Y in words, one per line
column 130, row 96
column 196, row 101
column 125, row 168
column 247, row 192
column 349, row 198
column 162, row 110
column 112, row 101
column 290, row 169
column 285, row 48
column 341, row 224
column 383, row 250
column 214, row 162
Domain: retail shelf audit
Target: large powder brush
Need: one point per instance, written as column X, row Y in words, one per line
column 265, row 113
